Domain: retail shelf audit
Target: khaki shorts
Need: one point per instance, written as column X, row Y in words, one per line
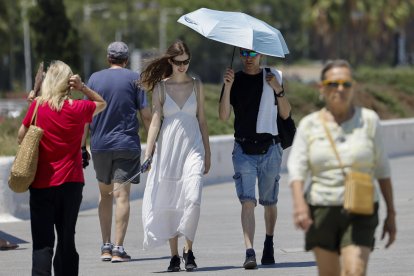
column 333, row 228
column 116, row 166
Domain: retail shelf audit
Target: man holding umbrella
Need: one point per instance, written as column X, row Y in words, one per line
column 257, row 98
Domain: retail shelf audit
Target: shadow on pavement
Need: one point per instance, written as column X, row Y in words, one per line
column 211, row 268
column 289, row 264
column 11, row 238
column 150, row 259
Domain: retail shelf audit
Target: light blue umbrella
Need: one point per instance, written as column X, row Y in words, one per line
column 237, row 29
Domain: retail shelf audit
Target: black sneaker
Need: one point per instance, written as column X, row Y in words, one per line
column 250, row 262
column 174, row 264
column 268, row 257
column 189, row 262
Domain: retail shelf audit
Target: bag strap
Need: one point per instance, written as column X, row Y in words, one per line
column 331, row 141
column 34, row 117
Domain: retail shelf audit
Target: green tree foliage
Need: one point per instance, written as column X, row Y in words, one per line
column 53, row 36
column 10, row 48
column 361, row 31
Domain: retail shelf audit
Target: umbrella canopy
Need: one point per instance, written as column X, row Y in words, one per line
column 237, row 29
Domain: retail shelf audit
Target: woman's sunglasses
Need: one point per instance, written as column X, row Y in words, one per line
column 248, row 53
column 180, row 62
column 337, row 83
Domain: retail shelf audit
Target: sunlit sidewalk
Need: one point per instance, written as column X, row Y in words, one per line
column 219, row 247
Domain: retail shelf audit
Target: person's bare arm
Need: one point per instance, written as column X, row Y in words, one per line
column 21, row 133
column 389, row 227
column 146, row 117
column 224, row 105
column 75, row 82
column 37, row 85
column 283, row 104
column 284, row 107
column 155, row 125
column 301, row 214
column 202, row 122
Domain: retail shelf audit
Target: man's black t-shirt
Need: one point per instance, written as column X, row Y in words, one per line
column 245, row 96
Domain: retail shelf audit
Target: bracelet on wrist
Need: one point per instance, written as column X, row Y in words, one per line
column 83, row 87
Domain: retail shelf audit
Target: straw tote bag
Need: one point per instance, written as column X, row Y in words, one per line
column 24, row 166
column 359, row 187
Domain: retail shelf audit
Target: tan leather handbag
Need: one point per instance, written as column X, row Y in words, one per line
column 359, row 187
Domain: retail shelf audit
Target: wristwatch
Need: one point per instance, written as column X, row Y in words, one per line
column 281, row 93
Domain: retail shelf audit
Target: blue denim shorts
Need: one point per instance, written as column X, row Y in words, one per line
column 263, row 167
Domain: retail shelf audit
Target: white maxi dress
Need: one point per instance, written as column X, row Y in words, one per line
column 172, row 197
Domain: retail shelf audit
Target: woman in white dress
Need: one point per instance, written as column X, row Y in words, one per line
column 172, row 197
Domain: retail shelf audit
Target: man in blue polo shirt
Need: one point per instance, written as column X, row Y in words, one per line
column 115, row 145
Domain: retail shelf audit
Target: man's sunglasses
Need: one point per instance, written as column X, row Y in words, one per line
column 248, row 53
column 337, row 83
column 180, row 62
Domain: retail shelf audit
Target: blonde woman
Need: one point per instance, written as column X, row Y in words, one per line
column 172, row 197
column 56, row 192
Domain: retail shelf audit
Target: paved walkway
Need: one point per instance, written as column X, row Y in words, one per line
column 219, row 247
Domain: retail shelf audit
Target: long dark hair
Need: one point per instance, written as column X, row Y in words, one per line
column 159, row 68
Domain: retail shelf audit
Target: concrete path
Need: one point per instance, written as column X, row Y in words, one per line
column 219, row 247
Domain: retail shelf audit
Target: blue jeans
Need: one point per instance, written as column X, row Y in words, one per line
column 263, row 167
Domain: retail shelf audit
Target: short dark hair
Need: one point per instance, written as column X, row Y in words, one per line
column 333, row 64
column 116, row 61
